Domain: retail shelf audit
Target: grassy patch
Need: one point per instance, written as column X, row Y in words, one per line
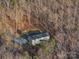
column 13, row 2
column 36, row 57
column 0, row 18
column 49, row 46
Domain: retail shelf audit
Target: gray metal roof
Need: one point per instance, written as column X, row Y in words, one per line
column 20, row 41
column 36, row 36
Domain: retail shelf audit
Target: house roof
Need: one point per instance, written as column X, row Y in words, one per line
column 35, row 35
column 30, row 36
column 20, row 41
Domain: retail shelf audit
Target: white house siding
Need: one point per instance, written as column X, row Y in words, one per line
column 37, row 41
column 34, row 42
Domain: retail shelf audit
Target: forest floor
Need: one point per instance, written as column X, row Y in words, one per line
column 59, row 17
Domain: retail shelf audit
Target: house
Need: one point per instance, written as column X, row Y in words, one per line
column 33, row 37
column 38, row 37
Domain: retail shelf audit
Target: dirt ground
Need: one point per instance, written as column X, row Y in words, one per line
column 59, row 17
